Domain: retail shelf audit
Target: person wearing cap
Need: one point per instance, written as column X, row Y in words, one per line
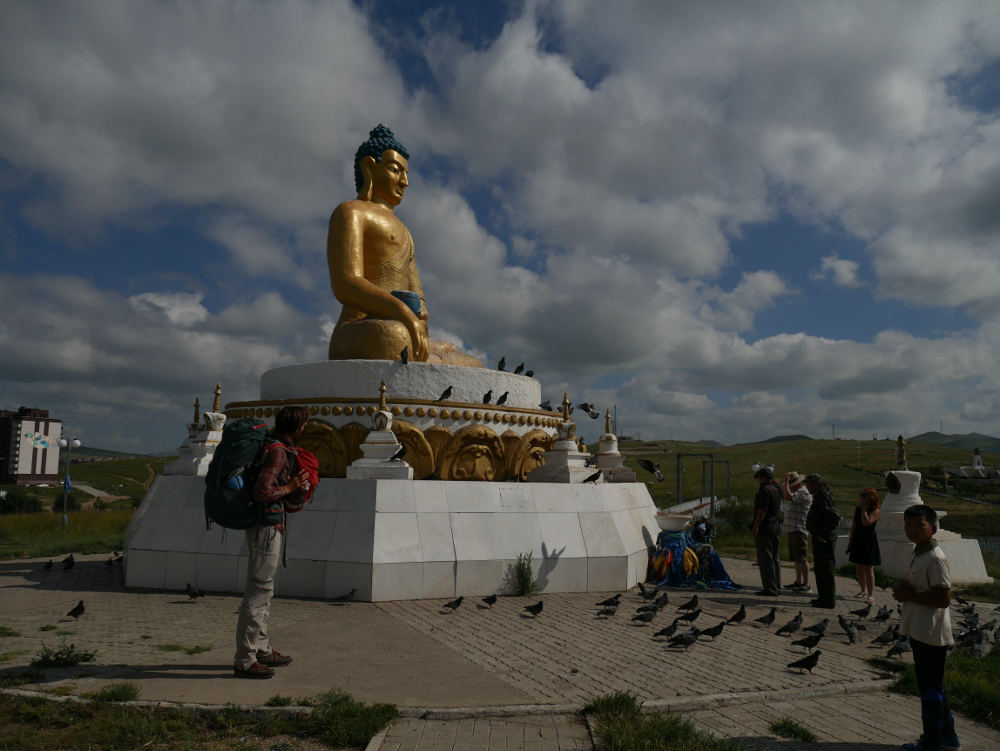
column 766, row 529
column 821, row 523
column 796, row 508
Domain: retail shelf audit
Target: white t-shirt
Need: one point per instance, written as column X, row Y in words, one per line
column 928, row 570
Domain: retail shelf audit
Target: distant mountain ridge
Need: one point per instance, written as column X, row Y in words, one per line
column 987, row 444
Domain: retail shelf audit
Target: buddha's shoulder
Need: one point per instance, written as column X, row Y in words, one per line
column 359, row 207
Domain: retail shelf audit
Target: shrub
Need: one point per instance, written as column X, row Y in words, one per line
column 65, row 656
column 279, row 701
column 786, row 727
column 117, row 692
column 72, row 504
column 20, row 500
column 524, row 576
column 341, row 720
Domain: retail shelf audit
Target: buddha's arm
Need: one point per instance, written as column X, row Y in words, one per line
column 345, row 258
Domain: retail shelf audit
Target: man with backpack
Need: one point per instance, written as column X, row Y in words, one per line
column 277, row 477
column 821, row 523
column 766, row 529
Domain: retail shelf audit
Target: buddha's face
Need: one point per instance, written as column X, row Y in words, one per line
column 389, row 178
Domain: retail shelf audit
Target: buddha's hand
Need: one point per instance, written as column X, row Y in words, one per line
column 418, row 335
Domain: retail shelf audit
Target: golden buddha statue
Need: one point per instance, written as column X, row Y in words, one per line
column 372, row 268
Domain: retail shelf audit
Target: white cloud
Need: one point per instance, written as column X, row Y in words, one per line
column 842, row 271
column 181, row 309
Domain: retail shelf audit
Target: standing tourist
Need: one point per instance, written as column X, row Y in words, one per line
column 796, row 507
column 821, row 523
column 254, row 656
column 766, row 529
column 862, row 545
column 926, row 619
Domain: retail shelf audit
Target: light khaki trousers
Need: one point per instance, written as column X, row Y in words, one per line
column 264, row 546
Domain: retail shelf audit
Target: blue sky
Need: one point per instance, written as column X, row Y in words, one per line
column 730, row 221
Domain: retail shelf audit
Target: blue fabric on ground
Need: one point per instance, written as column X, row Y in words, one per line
column 676, row 543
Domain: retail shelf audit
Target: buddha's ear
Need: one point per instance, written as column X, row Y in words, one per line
column 367, row 163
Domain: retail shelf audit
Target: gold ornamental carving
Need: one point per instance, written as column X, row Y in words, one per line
column 511, row 442
column 438, row 437
column 418, row 450
column 325, row 442
column 531, row 452
column 354, row 434
column 474, row 453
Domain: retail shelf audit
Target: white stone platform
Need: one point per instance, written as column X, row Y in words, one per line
column 398, row 539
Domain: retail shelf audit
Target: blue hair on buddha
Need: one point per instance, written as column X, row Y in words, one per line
column 380, row 139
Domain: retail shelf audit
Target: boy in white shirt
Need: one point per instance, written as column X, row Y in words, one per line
column 926, row 619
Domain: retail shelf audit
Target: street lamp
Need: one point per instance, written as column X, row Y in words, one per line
column 69, row 445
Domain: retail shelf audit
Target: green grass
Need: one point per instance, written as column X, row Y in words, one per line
column 197, row 649
column 40, row 725
column 21, row 678
column 786, row 727
column 116, row 692
column 39, row 535
column 524, row 576
column 972, row 686
column 621, row 725
column 66, row 655
column 279, row 701
column 5, row 631
column 985, row 592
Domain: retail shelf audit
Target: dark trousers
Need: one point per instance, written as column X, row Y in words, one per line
column 823, row 565
column 769, row 561
column 939, row 725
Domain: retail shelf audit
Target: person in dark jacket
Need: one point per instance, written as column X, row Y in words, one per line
column 275, row 480
column 766, row 529
column 821, row 523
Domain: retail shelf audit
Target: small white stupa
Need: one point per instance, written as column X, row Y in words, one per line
column 204, row 434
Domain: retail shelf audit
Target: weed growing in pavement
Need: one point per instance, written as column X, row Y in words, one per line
column 621, row 725
column 4, row 631
column 67, row 655
column 197, row 649
column 279, row 701
column 524, row 577
column 116, row 692
column 8, row 656
column 786, row 727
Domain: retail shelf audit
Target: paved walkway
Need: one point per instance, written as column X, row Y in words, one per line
column 476, row 678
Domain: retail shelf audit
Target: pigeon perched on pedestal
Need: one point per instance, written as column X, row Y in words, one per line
column 446, row 394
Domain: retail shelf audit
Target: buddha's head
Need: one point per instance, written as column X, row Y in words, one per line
column 380, row 167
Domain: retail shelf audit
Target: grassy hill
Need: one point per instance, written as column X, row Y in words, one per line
column 967, row 441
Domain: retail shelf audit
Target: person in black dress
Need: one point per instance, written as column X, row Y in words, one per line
column 862, row 545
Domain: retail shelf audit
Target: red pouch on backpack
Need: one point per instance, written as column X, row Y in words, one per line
column 307, row 460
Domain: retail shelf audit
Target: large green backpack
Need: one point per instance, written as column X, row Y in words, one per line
column 229, row 482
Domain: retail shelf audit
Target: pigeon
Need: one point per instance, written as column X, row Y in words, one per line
column 980, row 646
column 901, row 646
column 76, row 612
column 806, row 663
column 768, row 619
column 648, row 593
column 109, row 563
column 490, row 601
column 662, row 601
column 68, row 562
column 608, row 611
column 454, row 604
column 404, row 356
column 669, row 630
column 502, row 399
column 535, row 609
column 546, row 405
column 739, row 616
column 653, row 469
column 594, row 477
column 691, row 604
column 435, row 475
column 652, row 608
column 529, row 373
column 644, row 617
column 808, row 642
column 792, row 626
column 346, row 597
column 399, row 454
column 971, row 622
column 818, row 628
column 685, row 639
column 48, row 565
column 591, row 461
column 960, row 600
column 690, row 616
column 889, row 636
column 192, row 593
column 446, row 394
column 611, row 601
column 862, row 612
column 715, row 630
column 488, row 396
column 851, row 629
column 519, row 369
column 594, row 414
column 502, row 364
column 883, row 614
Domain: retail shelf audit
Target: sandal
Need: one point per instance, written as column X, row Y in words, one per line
column 274, row 659
column 870, row 600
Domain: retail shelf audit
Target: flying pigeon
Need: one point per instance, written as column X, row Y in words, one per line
column 404, row 356
column 76, row 612
column 454, row 604
column 768, row 619
column 446, row 394
column 652, row 468
column 490, row 601
column 739, row 616
column 806, row 663
column 518, row 369
column 535, row 609
column 502, row 364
